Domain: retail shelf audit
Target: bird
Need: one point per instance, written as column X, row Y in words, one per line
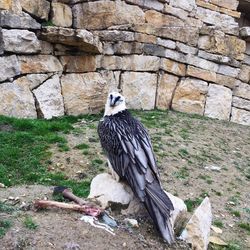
column 128, row 147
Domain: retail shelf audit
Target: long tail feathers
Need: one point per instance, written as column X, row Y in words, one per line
column 159, row 207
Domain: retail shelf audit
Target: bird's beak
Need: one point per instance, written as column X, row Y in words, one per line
column 112, row 102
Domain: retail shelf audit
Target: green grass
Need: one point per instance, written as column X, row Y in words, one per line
column 5, row 208
column 4, row 226
column 245, row 225
column 30, row 223
column 192, row 203
column 82, row 146
column 218, row 223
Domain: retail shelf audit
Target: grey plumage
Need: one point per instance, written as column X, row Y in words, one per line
column 129, row 150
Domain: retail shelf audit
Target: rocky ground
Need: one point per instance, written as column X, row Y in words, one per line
column 197, row 157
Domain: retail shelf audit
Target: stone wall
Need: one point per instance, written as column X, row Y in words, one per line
column 62, row 57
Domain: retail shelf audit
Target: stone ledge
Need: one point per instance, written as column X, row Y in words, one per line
column 245, row 33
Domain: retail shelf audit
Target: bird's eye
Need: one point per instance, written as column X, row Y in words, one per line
column 111, row 96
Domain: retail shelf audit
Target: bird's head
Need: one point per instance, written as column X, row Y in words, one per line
column 115, row 103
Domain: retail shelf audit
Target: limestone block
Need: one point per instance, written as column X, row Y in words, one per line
column 15, row 7
column 241, row 103
column 218, row 103
column 82, row 39
column 21, row 21
column 182, row 14
column 149, row 4
column 173, row 67
column 228, row 71
column 9, row 67
column 166, row 86
column 46, row 48
column 61, row 15
column 139, row 89
column 197, row 230
column 229, row 4
column 112, row 78
column 103, row 14
column 78, row 64
column 247, row 60
column 247, row 48
column 188, row 5
column 39, row 64
column 244, row 74
column 49, row 98
column 202, row 63
column 159, row 20
column 154, row 50
column 16, row 101
column 40, row 9
column 20, row 41
column 240, row 116
column 111, row 62
column 227, row 81
column 84, row 93
column 32, row 80
column 189, row 96
column 245, row 32
column 242, row 90
column 1, row 42
column 185, row 48
column 202, row 74
column 144, row 38
column 5, row 4
column 166, row 43
column 128, row 48
column 115, row 35
column 174, row 55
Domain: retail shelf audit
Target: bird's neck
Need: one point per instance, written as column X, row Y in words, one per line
column 114, row 110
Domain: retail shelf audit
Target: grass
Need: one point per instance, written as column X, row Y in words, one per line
column 218, row 223
column 82, row 146
column 245, row 225
column 29, row 223
column 4, row 226
column 192, row 204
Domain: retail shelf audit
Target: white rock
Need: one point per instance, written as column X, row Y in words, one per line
column 197, row 231
column 9, row 67
column 49, row 98
column 241, row 103
column 108, row 191
column 219, row 101
column 131, row 222
column 240, row 116
column 188, row 5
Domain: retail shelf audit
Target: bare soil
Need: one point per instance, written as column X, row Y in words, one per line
column 187, row 149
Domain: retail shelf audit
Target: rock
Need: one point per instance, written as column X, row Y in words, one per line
column 20, row 41
column 173, row 67
column 242, row 90
column 217, row 241
column 139, row 89
column 188, row 5
column 228, row 71
column 189, row 96
column 213, row 168
column 154, row 50
column 103, row 14
column 166, row 43
column 5, row 5
column 229, row 4
column 40, row 10
column 84, row 93
column 240, row 116
column 244, row 74
column 127, row 48
column 176, row 56
column 218, row 103
column 9, row 67
column 78, row 64
column 109, row 192
column 185, row 48
column 61, row 14
column 227, row 81
column 46, row 48
column 49, row 98
column 144, row 38
column 21, row 21
column 1, row 42
column 247, row 60
column 82, row 39
column 166, row 86
column 131, row 222
column 216, row 229
column 32, row 80
column 16, row 101
column 39, row 64
column 197, row 231
column 241, row 103
column 149, row 4
column 112, row 78
column 182, row 14
column 115, row 35
column 203, row 74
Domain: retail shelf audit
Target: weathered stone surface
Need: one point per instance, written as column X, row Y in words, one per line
column 78, row 64
column 103, row 14
column 115, row 35
column 189, row 96
column 39, row 64
column 185, row 48
column 112, row 78
column 32, row 80
column 229, row 4
column 61, row 14
column 182, row 14
column 241, row 103
column 144, row 38
column 9, row 67
column 5, row 5
column 188, row 5
column 46, row 48
column 227, row 81
column 218, row 103
column 1, row 42
column 84, row 93
column 247, row 48
column 40, row 9
column 244, row 74
column 149, row 4
column 173, row 67
column 228, row 71
column 20, row 41
column 203, row 74
column 49, row 98
column 21, row 21
column 82, row 39
column 174, row 55
column 197, row 231
column 159, row 20
column 166, row 86
column 127, row 48
column 15, row 7
column 221, row 21
column 245, row 32
column 108, row 191
column 202, row 63
column 139, row 89
column 247, row 60
column 16, row 101
column 154, row 49
column 166, row 43
column 110, row 62
column 242, row 90
column 240, row 116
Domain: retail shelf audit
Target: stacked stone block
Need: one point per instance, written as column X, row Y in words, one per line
column 62, row 57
